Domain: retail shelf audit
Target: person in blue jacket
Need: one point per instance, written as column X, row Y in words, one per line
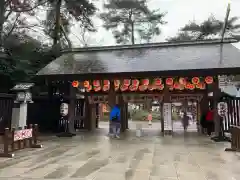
column 115, row 120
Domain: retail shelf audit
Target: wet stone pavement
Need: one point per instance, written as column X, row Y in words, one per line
column 96, row 157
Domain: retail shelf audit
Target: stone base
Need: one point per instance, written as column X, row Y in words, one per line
column 7, row 155
column 168, row 132
column 230, row 149
column 221, row 139
column 66, row 134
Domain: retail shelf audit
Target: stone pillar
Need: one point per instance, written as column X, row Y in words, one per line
column 19, row 112
column 19, row 115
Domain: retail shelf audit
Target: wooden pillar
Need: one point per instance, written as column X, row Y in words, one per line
column 204, row 106
column 162, row 117
column 92, row 119
column 71, row 109
column 126, row 110
column 112, row 97
column 97, row 114
column 67, row 122
column 87, row 110
column 216, row 96
column 123, row 113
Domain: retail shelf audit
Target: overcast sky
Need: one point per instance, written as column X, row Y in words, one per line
column 179, row 13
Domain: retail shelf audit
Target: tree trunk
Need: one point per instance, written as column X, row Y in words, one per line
column 132, row 33
column 132, row 26
column 71, row 114
column 57, row 22
column 2, row 18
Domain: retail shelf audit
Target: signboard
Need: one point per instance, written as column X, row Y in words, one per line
column 22, row 134
column 167, row 116
column 222, row 109
column 64, row 109
column 225, row 81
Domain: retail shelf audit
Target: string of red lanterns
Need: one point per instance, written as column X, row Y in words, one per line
column 145, row 84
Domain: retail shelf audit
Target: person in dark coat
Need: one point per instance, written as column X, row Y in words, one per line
column 115, row 120
column 185, row 121
column 210, row 122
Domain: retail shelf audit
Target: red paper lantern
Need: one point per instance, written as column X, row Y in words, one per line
column 209, row 79
column 187, row 86
column 116, row 83
column 96, row 83
column 86, row 84
column 126, row 82
column 124, row 88
column 106, row 88
column 157, row 81
column 97, row 88
column 160, row 87
column 135, row 82
column 181, row 87
column 133, row 88
column 75, row 84
column 191, row 86
column 106, row 82
column 151, row 87
column 182, row 81
column 195, row 80
column 89, row 88
column 145, row 82
column 143, row 88
column 169, row 81
column 201, row 85
column 176, row 86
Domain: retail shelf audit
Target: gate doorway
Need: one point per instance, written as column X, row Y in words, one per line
column 178, row 111
column 190, row 106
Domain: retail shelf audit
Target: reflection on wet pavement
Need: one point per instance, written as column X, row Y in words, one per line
column 96, row 157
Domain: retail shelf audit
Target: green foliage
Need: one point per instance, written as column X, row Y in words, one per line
column 141, row 115
column 27, row 56
column 181, row 36
column 132, row 20
column 209, row 27
column 61, row 13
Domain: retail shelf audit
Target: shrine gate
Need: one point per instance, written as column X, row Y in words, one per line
column 167, row 72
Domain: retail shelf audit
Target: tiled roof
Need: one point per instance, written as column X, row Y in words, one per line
column 142, row 58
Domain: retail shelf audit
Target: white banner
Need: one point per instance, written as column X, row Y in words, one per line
column 167, row 116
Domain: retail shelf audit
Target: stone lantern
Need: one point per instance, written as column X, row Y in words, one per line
column 23, row 97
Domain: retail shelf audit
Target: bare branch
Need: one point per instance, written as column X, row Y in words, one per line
column 66, row 37
column 13, row 27
column 29, row 9
column 7, row 15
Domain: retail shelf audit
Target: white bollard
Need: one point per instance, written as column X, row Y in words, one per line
column 139, row 130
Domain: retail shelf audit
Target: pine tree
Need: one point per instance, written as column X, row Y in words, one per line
column 132, row 20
